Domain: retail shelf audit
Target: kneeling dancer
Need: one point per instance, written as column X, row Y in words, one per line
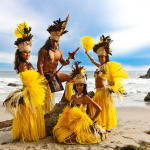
column 74, row 125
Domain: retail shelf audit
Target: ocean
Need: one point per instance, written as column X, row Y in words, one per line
column 135, row 87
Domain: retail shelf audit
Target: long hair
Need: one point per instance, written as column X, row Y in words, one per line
column 107, row 59
column 18, row 60
column 47, row 47
column 84, row 89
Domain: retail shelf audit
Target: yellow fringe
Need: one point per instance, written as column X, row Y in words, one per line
column 115, row 73
column 28, row 123
column 107, row 117
column 74, row 122
column 34, row 87
column 49, row 101
column 69, row 90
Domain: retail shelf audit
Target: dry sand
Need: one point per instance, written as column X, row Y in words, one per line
column 132, row 124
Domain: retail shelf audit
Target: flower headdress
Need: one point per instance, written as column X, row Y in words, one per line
column 58, row 28
column 24, row 37
column 78, row 74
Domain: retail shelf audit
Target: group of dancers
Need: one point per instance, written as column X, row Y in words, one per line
column 75, row 125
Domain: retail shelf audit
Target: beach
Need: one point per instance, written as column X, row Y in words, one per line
column 133, row 117
column 133, row 122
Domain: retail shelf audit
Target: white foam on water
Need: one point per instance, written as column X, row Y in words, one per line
column 135, row 87
column 10, row 80
column 136, row 81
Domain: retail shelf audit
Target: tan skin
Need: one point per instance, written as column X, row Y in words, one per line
column 23, row 65
column 99, row 82
column 44, row 64
column 84, row 100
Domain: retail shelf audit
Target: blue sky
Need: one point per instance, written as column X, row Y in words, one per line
column 126, row 21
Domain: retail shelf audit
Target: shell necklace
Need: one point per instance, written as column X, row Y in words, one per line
column 78, row 96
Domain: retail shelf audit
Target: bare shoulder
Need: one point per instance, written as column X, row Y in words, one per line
column 22, row 64
column 73, row 96
column 23, row 67
column 41, row 55
column 60, row 51
column 42, row 51
column 87, row 98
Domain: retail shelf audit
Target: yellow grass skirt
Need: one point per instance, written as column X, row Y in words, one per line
column 28, row 124
column 107, row 117
column 69, row 90
column 74, row 122
column 49, row 101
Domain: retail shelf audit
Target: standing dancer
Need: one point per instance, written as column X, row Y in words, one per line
column 113, row 72
column 74, row 125
column 26, row 104
column 48, row 57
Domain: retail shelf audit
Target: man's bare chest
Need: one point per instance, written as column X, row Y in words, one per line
column 54, row 56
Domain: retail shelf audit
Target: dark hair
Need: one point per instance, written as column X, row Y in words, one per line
column 106, row 41
column 84, row 90
column 107, row 58
column 18, row 60
column 47, row 47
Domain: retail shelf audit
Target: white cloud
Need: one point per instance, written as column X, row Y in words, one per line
column 132, row 12
column 128, row 41
column 6, row 57
column 131, row 26
column 127, row 20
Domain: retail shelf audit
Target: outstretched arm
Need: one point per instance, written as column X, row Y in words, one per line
column 95, row 105
column 92, row 60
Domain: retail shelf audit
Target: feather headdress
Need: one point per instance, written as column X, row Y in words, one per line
column 102, row 47
column 58, row 28
column 78, row 74
column 24, row 37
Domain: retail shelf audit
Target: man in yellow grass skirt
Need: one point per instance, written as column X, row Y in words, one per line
column 113, row 72
column 48, row 57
